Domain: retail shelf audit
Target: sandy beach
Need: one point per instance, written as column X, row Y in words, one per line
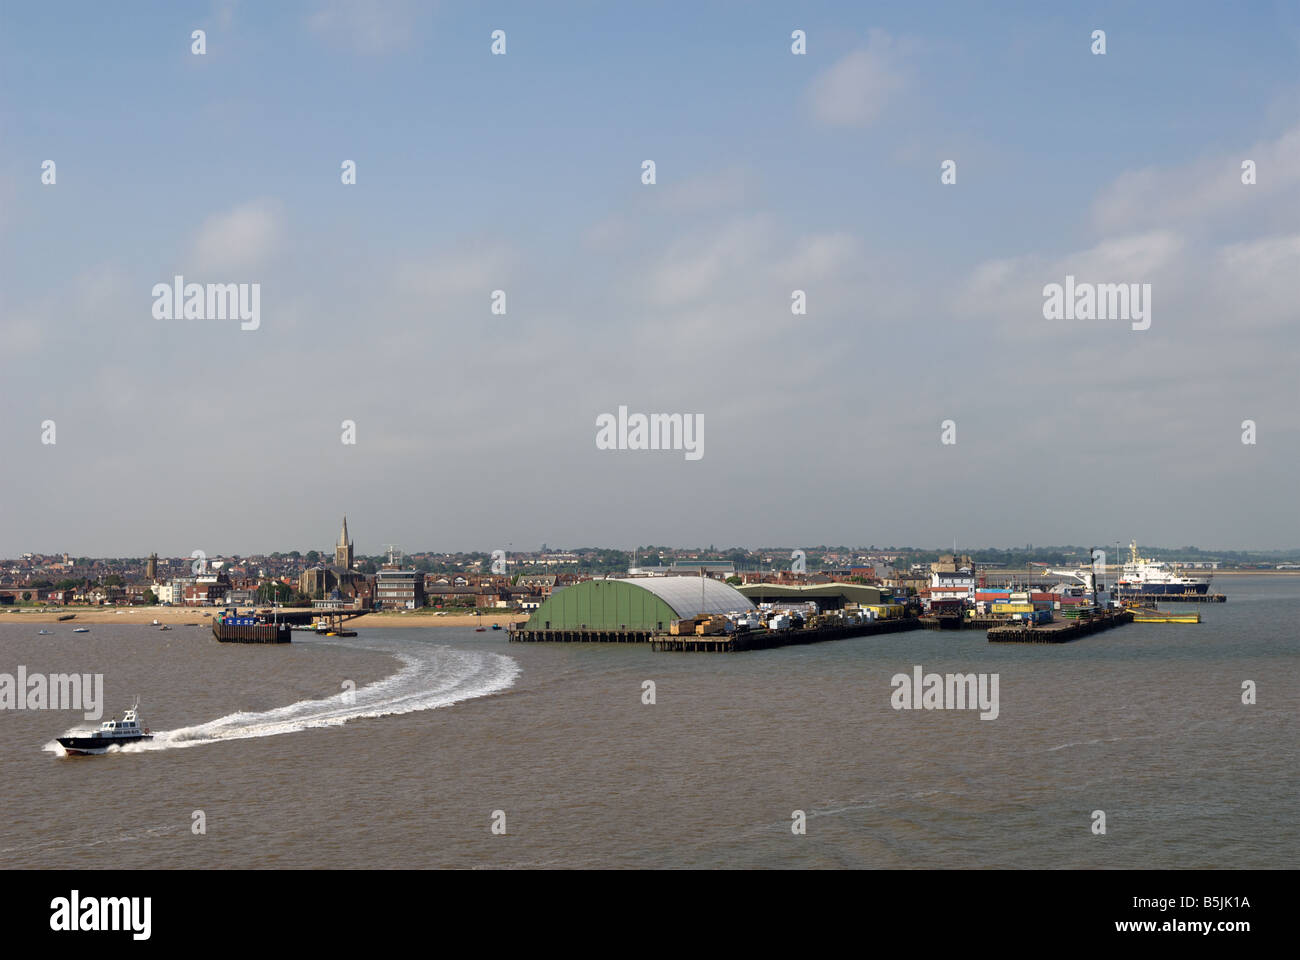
column 203, row 615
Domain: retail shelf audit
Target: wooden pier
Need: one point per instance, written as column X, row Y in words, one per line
column 1059, row 631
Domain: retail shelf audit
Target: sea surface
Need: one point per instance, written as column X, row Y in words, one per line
column 402, row 748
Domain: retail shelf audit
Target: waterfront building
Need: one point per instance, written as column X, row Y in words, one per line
column 952, row 578
column 399, row 589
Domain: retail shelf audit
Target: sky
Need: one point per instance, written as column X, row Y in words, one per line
column 523, row 172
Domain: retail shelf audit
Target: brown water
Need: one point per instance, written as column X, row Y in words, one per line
column 1144, row 722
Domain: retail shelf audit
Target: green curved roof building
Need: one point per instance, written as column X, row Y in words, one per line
column 642, row 603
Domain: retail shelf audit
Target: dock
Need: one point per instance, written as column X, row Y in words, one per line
column 254, row 633
column 1059, row 631
column 767, row 639
column 718, row 643
column 579, row 636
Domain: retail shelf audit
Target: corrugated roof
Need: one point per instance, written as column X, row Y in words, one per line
column 684, row 594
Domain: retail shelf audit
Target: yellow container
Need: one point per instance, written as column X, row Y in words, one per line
column 1013, row 608
column 885, row 611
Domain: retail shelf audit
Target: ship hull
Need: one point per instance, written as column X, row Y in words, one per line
column 93, row 746
column 1161, row 589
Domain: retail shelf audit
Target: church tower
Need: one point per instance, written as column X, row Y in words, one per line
column 343, row 549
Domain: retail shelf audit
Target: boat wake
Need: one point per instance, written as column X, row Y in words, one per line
column 431, row 676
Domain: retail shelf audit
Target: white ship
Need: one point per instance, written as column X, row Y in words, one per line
column 111, row 733
column 1157, row 578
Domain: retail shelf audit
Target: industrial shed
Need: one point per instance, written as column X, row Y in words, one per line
column 634, row 606
column 829, row 596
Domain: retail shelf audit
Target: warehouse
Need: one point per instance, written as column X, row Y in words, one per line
column 828, row 596
column 632, row 608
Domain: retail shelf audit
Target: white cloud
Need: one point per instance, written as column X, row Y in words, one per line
column 724, row 189
column 1203, row 192
column 367, row 26
column 439, row 277
column 855, row 90
column 1008, row 293
column 238, row 239
column 693, row 267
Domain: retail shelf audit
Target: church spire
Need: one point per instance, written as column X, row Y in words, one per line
column 343, row 549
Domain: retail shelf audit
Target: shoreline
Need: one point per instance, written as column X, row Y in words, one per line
column 173, row 616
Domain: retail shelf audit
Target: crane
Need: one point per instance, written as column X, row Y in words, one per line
column 1087, row 576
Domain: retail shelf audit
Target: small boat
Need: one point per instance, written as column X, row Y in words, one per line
column 45, row 633
column 480, row 629
column 164, row 627
column 496, row 626
column 111, row 733
column 81, row 629
column 156, row 621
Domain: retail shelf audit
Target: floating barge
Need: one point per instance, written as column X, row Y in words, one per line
column 1142, row 615
column 1059, row 631
column 250, row 633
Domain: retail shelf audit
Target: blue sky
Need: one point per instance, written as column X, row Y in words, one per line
column 522, row 172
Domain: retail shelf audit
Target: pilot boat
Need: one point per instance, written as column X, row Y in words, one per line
column 110, row 733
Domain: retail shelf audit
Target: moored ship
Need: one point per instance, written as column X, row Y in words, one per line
column 1144, row 577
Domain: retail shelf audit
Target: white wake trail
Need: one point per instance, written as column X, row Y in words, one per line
column 430, row 677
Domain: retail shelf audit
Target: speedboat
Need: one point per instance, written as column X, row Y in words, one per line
column 81, row 629
column 111, row 733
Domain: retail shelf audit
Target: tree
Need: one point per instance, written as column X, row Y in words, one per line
column 112, row 580
column 150, row 597
column 272, row 591
column 735, row 581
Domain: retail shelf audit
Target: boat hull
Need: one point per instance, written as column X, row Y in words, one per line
column 92, row 746
column 1170, row 589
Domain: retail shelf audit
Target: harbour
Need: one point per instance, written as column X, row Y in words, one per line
column 720, row 735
